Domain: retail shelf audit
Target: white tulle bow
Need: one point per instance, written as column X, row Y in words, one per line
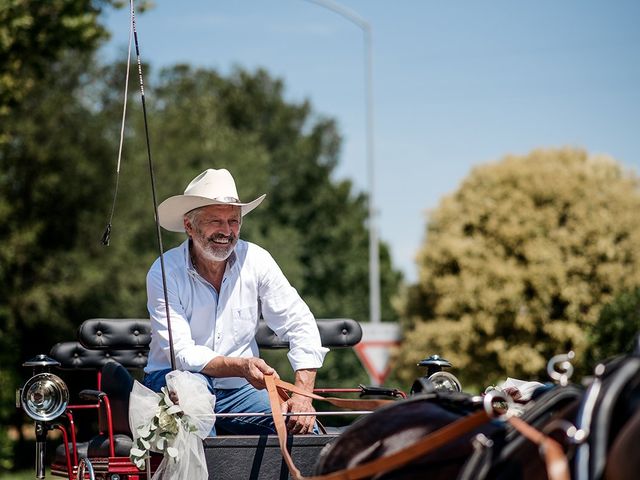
column 174, row 429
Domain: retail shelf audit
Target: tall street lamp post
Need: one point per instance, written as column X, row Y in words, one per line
column 374, row 256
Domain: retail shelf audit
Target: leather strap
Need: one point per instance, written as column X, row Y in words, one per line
column 395, row 460
column 356, row 404
column 278, row 389
column 281, row 429
column 554, row 457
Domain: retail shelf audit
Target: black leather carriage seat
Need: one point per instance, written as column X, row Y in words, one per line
column 115, row 334
column 334, row 333
column 74, row 356
column 116, row 382
column 120, row 334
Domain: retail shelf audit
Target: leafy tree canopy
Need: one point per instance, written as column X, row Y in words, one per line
column 617, row 329
column 35, row 35
column 519, row 261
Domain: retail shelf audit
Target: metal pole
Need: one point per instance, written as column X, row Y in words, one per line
column 374, row 255
column 294, row 414
column 41, row 439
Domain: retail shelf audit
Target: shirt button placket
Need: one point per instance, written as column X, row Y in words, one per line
column 218, row 325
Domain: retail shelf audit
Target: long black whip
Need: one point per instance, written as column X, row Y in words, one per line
column 153, row 189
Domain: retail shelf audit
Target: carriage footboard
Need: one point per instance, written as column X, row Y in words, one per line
column 259, row 457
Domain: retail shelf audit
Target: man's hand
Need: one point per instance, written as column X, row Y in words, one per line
column 254, row 370
column 305, row 379
column 302, row 424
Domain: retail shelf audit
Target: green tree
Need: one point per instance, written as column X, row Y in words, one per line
column 38, row 223
column 518, row 263
column 34, row 36
column 55, row 186
column 35, row 39
column 617, row 329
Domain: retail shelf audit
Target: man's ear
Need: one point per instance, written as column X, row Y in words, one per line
column 187, row 225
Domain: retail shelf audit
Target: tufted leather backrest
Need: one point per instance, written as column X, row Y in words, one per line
column 334, row 333
column 113, row 334
column 73, row 356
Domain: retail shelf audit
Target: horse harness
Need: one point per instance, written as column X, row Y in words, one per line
column 555, row 459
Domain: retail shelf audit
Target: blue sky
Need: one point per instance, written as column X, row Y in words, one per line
column 456, row 83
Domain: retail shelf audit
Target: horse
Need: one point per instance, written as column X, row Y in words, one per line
column 597, row 431
column 492, row 450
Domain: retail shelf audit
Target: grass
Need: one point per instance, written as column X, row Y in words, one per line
column 22, row 475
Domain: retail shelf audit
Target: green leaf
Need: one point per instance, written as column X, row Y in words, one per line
column 137, row 452
column 172, row 452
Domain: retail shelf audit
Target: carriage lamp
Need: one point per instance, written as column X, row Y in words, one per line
column 44, row 397
column 435, row 378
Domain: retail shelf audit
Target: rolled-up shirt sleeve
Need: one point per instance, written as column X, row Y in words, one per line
column 289, row 317
column 189, row 356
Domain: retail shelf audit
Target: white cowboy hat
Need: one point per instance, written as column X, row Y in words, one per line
column 211, row 187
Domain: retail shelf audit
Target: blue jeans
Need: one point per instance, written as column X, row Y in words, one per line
column 230, row 400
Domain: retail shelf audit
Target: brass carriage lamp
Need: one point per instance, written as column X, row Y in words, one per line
column 44, row 397
column 435, row 378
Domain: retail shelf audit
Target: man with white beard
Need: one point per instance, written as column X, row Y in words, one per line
column 218, row 287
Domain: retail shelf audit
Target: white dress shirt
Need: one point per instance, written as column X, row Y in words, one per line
column 206, row 323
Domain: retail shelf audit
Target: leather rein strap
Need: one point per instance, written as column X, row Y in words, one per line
column 554, row 457
column 395, row 460
column 357, row 404
column 556, row 462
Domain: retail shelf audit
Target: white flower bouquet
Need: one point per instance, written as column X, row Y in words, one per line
column 160, row 434
column 174, row 429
